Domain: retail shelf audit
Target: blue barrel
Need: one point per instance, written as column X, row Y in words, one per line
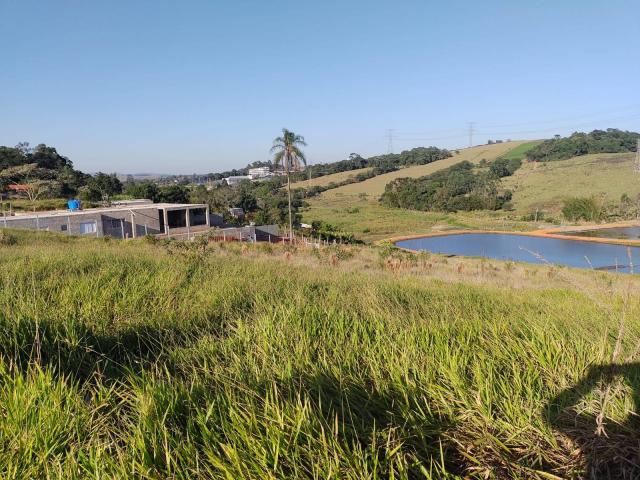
column 73, row 204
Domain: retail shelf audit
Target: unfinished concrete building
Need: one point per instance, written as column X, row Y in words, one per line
column 128, row 220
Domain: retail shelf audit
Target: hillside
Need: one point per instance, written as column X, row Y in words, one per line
column 355, row 208
column 375, row 186
column 544, row 186
column 142, row 360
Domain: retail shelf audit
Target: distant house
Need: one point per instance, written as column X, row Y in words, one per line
column 235, row 180
column 259, row 172
column 236, row 212
column 18, row 188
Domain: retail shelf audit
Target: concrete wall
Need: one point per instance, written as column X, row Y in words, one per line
column 262, row 233
column 147, row 222
column 111, row 223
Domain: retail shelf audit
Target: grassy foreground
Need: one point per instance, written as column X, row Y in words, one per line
column 137, row 360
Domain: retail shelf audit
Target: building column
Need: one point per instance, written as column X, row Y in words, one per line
column 188, row 220
column 133, row 226
column 166, row 221
column 208, row 219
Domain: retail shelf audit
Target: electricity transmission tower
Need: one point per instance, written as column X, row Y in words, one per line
column 471, row 130
column 390, row 140
column 636, row 164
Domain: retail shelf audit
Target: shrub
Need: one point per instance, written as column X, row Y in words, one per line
column 7, row 239
column 582, row 208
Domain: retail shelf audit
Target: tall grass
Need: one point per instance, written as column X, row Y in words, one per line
column 133, row 360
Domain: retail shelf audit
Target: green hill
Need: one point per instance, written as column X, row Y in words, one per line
column 544, row 186
column 355, row 208
column 537, row 186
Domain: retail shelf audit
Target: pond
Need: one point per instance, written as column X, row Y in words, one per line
column 524, row 248
column 624, row 233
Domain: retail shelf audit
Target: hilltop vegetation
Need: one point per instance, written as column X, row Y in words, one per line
column 379, row 163
column 133, row 359
column 610, row 140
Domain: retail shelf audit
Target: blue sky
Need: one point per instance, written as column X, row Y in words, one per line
column 204, row 85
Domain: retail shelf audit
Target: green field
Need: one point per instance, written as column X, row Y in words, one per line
column 137, row 360
column 544, row 186
column 520, row 150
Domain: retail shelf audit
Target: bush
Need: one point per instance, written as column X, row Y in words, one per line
column 533, row 216
column 582, row 208
column 7, row 239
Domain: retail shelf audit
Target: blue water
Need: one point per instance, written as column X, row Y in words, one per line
column 522, row 248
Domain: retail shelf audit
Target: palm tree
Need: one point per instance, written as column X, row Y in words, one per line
column 288, row 155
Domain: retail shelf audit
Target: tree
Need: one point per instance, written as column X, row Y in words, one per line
column 34, row 189
column 144, row 189
column 288, row 155
column 245, row 197
column 101, row 187
column 174, row 194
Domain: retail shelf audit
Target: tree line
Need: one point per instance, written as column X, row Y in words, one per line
column 380, row 163
column 610, row 140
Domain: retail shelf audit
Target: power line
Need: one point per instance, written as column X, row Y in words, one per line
column 583, row 118
column 471, row 130
column 569, row 119
column 575, row 125
column 390, row 140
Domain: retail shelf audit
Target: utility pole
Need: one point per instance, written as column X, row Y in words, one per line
column 390, row 140
column 636, row 164
column 471, row 130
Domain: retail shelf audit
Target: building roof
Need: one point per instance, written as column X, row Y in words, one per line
column 93, row 211
column 17, row 187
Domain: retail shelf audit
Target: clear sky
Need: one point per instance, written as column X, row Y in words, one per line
column 204, row 85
